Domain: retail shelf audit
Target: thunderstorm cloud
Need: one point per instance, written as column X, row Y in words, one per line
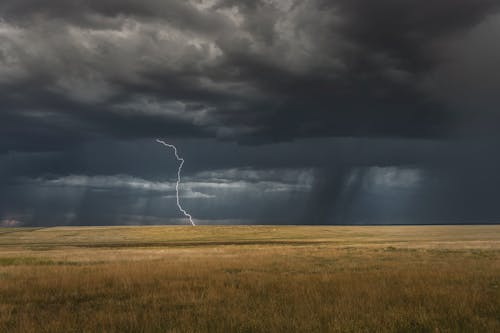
column 286, row 111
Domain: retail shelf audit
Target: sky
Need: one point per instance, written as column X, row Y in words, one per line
column 285, row 111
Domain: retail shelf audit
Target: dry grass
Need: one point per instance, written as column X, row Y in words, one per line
column 250, row 279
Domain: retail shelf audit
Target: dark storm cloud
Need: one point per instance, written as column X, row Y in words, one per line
column 362, row 95
column 260, row 70
column 310, row 181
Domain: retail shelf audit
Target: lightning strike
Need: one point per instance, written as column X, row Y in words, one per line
column 179, row 170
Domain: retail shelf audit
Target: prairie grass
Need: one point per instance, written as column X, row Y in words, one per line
column 251, row 279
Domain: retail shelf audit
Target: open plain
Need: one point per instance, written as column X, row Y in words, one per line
column 250, row 279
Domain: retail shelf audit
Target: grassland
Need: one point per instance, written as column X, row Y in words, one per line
column 250, row 279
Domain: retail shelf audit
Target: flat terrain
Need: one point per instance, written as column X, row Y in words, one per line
column 250, row 279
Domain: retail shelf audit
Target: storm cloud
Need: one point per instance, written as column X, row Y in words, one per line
column 347, row 111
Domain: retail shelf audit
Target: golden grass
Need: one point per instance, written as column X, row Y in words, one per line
column 250, row 279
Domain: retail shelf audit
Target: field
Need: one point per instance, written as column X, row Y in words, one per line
column 250, row 279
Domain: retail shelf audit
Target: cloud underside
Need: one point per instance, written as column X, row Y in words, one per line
column 269, row 196
column 335, row 181
column 253, row 71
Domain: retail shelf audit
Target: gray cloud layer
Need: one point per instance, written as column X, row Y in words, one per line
column 269, row 70
column 403, row 85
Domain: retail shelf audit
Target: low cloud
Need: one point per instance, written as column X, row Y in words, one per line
column 200, row 185
column 109, row 182
column 10, row 223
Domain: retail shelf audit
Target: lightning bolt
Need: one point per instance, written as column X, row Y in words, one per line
column 180, row 159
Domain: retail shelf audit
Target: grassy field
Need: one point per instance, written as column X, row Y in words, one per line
column 250, row 279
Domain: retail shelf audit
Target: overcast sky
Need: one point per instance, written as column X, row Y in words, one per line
column 285, row 111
